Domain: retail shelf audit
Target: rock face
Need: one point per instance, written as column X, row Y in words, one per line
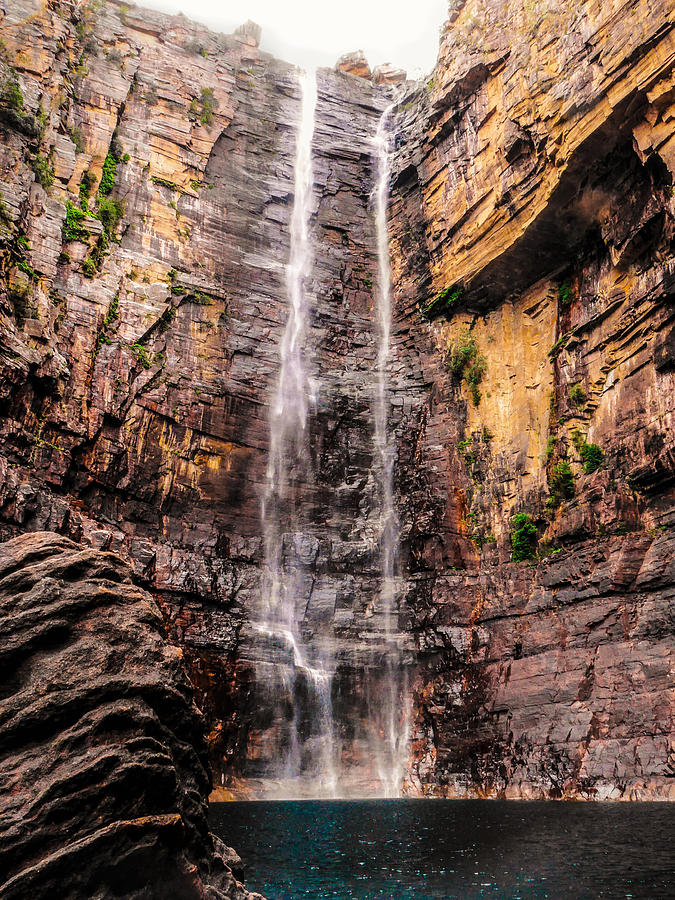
column 136, row 392
column 533, row 221
column 532, row 248
column 102, row 753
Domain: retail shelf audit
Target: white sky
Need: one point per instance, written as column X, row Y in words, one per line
column 316, row 32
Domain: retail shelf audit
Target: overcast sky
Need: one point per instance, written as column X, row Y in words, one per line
column 314, row 33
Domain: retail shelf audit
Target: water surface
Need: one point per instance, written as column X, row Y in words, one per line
column 464, row 849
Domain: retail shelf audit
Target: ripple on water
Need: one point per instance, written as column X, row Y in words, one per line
column 454, row 850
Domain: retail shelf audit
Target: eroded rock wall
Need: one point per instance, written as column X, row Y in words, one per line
column 139, row 355
column 532, row 217
column 103, row 757
column 531, row 214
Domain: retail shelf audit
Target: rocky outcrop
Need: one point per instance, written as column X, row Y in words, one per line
column 532, row 226
column 357, row 64
column 388, row 74
column 102, row 753
column 354, row 64
column 146, row 178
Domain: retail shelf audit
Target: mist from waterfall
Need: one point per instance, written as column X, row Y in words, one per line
column 297, row 676
column 390, row 713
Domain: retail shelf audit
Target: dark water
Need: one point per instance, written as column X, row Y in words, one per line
column 463, row 849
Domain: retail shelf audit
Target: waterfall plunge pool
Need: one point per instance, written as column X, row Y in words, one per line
column 464, row 849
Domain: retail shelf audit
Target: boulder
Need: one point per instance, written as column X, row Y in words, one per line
column 354, row 64
column 388, row 74
column 102, row 752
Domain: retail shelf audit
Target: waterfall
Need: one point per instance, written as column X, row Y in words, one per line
column 297, row 656
column 298, row 675
column 389, row 712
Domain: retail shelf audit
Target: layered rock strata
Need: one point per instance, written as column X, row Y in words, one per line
column 531, row 223
column 103, row 759
column 532, row 227
column 138, row 365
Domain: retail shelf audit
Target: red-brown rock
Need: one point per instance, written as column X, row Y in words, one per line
column 102, row 754
column 354, row 64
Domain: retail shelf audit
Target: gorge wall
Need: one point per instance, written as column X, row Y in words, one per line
column 531, row 235
column 137, row 378
column 532, row 217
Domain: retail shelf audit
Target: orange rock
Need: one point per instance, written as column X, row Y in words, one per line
column 354, row 64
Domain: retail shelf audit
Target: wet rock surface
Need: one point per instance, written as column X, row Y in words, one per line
column 103, row 759
column 136, row 395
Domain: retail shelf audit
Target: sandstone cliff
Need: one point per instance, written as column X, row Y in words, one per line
column 102, row 752
column 146, row 173
column 140, row 344
column 533, row 224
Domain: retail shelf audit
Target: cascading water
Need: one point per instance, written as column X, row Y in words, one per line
column 297, row 660
column 298, row 676
column 389, row 713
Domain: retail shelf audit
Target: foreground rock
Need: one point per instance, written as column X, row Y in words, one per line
column 102, row 755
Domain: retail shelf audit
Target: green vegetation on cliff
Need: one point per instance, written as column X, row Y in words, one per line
column 523, row 537
column 464, row 361
column 204, row 108
column 72, row 225
column 442, row 303
column 44, row 173
column 108, row 175
column 591, row 455
column 10, row 94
